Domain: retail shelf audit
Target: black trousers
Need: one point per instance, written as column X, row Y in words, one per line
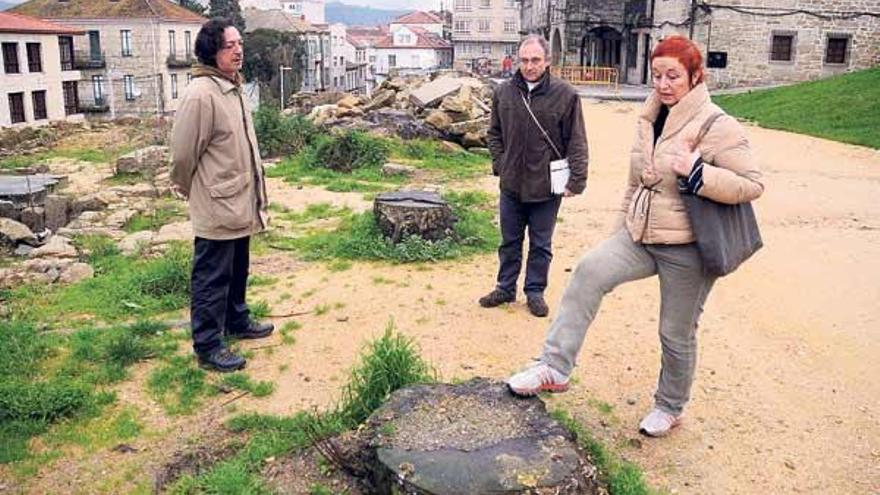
column 515, row 217
column 219, row 284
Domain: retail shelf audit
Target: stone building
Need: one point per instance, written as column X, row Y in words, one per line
column 135, row 56
column 484, row 32
column 746, row 42
column 39, row 81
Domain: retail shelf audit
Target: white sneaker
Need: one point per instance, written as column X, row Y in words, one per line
column 537, row 377
column 658, row 423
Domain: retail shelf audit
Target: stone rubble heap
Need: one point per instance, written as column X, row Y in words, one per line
column 442, row 106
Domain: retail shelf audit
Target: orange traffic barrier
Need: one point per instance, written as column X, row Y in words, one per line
column 579, row 75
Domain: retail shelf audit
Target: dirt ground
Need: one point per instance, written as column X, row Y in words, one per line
column 786, row 398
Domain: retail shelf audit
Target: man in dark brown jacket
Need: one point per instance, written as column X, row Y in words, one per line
column 216, row 165
column 521, row 156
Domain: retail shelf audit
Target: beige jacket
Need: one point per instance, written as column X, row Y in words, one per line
column 653, row 209
column 215, row 160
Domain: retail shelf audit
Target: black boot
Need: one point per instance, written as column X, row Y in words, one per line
column 537, row 305
column 222, row 360
column 496, row 298
column 254, row 330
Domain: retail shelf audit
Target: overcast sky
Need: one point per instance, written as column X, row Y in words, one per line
column 379, row 4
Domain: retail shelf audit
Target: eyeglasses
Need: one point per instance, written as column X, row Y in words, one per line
column 533, row 61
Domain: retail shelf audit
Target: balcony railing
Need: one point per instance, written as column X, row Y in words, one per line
column 85, row 60
column 175, row 62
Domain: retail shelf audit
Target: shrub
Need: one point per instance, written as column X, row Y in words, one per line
column 280, row 135
column 351, row 150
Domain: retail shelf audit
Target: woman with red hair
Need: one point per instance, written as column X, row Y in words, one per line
column 684, row 144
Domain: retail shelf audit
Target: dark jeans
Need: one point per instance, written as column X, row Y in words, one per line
column 219, row 283
column 540, row 218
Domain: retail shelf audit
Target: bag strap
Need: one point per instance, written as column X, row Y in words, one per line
column 550, row 141
column 704, row 129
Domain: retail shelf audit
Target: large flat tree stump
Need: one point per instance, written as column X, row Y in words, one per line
column 404, row 213
column 473, row 438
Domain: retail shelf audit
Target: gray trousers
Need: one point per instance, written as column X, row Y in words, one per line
column 683, row 290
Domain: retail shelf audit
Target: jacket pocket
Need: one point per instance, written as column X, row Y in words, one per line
column 233, row 209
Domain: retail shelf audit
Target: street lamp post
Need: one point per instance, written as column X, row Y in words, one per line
column 281, row 69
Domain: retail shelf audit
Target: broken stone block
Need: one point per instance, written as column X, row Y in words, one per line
column 145, row 160
column 350, row 101
column 8, row 210
column 398, row 169
column 462, row 128
column 34, row 217
column 91, row 202
column 13, row 233
column 450, row 148
column 57, row 247
column 76, row 272
column 431, row 93
column 131, row 243
column 473, row 140
column 381, row 98
column 404, row 213
column 180, row 231
column 57, row 210
column 439, row 119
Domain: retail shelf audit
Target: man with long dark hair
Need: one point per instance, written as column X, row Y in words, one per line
column 216, row 165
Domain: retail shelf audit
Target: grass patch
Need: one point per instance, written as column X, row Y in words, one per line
column 178, row 385
column 90, row 155
column 358, row 237
column 241, row 381
column 165, row 213
column 844, row 108
column 49, row 378
column 429, row 155
column 261, row 281
column 388, row 363
column 123, row 287
column 619, row 476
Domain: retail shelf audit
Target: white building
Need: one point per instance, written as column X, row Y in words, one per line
column 414, row 45
column 356, row 66
column 39, row 81
column 484, row 32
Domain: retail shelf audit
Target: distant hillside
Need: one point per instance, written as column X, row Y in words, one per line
column 354, row 15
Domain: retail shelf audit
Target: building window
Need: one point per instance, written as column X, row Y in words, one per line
column 837, row 49
column 10, row 58
column 462, row 27
column 486, row 49
column 39, row 100
column 172, row 42
column 509, row 26
column 98, row 89
column 189, row 77
column 173, row 86
column 128, row 86
column 632, row 50
column 405, row 39
column 462, row 5
column 65, row 45
column 187, row 43
column 71, row 97
column 35, row 57
column 392, row 60
column 484, row 25
column 125, row 34
column 510, row 4
column 95, row 45
column 485, row 4
column 16, row 107
column 782, row 48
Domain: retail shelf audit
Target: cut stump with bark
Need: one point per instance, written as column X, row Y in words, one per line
column 406, row 213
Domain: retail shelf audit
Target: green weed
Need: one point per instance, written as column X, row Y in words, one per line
column 242, row 381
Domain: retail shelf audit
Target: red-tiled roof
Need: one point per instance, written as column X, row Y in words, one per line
column 107, row 9
column 366, row 35
column 418, row 17
column 424, row 39
column 17, row 23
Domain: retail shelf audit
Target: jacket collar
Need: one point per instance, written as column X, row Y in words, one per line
column 225, row 83
column 543, row 82
column 679, row 114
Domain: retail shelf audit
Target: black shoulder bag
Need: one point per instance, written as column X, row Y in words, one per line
column 726, row 235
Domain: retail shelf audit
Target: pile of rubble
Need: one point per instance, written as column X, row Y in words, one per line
column 446, row 107
column 41, row 214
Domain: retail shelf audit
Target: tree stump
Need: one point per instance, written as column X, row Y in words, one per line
column 472, row 438
column 405, row 213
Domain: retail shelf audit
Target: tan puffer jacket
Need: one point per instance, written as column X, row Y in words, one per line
column 653, row 208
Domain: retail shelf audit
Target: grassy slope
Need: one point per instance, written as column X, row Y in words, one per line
column 844, row 108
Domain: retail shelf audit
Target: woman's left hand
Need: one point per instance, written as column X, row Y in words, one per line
column 684, row 157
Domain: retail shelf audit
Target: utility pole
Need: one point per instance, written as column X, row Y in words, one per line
column 693, row 18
